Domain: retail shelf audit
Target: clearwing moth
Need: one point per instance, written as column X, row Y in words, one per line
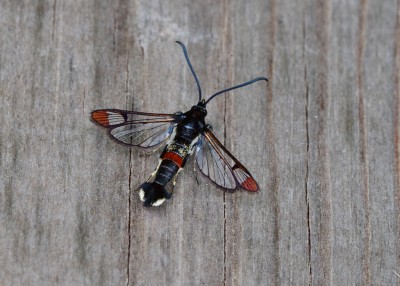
column 185, row 133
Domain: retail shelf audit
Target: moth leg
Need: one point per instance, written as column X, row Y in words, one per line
column 152, row 175
column 157, row 149
column 151, row 152
column 169, row 141
column 174, row 180
column 195, row 173
column 174, row 183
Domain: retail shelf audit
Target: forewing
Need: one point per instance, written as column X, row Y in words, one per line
column 217, row 163
column 136, row 128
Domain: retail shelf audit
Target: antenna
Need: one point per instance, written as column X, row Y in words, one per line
column 236, row 86
column 191, row 68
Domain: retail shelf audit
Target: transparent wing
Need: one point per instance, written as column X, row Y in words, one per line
column 136, row 128
column 220, row 166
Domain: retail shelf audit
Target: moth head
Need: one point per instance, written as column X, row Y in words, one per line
column 199, row 110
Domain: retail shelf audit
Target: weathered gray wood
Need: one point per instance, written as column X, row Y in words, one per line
column 322, row 140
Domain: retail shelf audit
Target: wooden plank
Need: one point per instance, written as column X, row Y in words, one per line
column 321, row 139
column 261, row 228
column 379, row 72
column 318, row 184
column 349, row 193
column 64, row 202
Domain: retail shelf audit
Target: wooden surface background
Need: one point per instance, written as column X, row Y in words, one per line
column 322, row 140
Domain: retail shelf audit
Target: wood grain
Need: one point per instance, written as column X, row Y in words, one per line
column 322, row 140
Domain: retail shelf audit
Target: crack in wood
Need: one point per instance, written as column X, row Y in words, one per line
column 83, row 101
column 306, row 180
column 396, row 124
column 363, row 142
column 307, row 161
column 130, row 193
column 270, row 131
column 129, row 216
column 224, row 199
column 54, row 20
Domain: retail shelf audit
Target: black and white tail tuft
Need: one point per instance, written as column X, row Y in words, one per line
column 153, row 194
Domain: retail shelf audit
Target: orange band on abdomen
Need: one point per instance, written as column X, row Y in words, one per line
column 174, row 158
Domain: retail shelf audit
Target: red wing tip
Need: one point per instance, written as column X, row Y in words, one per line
column 250, row 185
column 100, row 117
